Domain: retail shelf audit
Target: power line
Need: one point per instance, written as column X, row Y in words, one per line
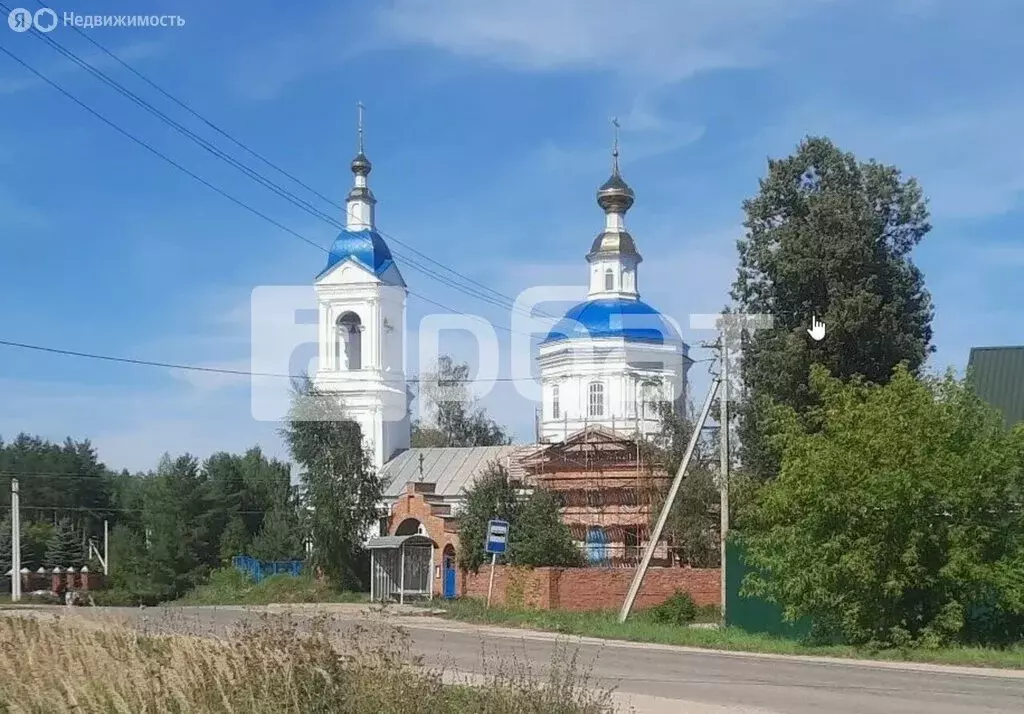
column 60, row 474
column 198, row 368
column 111, row 509
column 259, row 156
column 200, row 179
column 504, row 301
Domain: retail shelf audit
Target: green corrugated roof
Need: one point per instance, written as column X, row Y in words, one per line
column 998, row 377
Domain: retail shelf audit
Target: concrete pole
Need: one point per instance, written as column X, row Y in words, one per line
column 401, row 579
column 430, row 574
column 373, row 571
column 15, row 542
column 723, row 492
column 106, row 547
column 652, row 543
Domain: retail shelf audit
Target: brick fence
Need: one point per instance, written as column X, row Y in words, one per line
column 588, row 588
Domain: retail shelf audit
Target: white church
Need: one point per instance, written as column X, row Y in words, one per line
column 607, row 363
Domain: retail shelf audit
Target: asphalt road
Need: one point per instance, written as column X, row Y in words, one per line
column 657, row 678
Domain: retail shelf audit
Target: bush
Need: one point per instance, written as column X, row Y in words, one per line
column 679, row 609
column 888, row 524
column 118, row 597
column 230, row 586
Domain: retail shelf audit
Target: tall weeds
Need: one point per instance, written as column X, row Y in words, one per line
column 276, row 665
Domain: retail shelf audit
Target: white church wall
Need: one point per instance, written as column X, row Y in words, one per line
column 622, row 368
column 374, row 395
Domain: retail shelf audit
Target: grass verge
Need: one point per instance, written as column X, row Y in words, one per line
column 640, row 628
column 228, row 586
column 271, row 667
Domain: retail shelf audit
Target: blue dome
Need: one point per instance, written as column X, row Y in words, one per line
column 366, row 247
column 614, row 317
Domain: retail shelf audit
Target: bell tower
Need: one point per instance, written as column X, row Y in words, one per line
column 361, row 299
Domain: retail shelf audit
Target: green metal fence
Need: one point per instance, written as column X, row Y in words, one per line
column 750, row 613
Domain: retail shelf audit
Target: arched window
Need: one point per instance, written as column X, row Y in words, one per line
column 596, row 399
column 349, row 343
column 609, row 279
column 556, row 408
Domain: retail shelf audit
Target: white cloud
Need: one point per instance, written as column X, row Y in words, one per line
column 664, row 40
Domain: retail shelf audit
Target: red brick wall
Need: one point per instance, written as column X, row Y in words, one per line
column 589, row 588
column 520, row 587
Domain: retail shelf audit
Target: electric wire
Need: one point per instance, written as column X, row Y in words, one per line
column 503, row 302
column 201, row 180
column 255, row 154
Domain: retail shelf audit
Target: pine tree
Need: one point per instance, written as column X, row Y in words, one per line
column 235, row 539
column 178, row 512
column 64, row 549
column 5, row 545
column 278, row 539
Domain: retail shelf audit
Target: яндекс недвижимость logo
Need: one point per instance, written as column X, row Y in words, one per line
column 22, row 20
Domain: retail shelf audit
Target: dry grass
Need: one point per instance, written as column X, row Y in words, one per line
column 277, row 665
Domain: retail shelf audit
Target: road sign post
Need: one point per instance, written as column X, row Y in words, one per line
column 497, row 542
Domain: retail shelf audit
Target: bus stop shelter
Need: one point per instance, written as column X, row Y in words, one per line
column 401, row 567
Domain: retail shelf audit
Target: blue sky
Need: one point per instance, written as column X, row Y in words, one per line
column 487, row 124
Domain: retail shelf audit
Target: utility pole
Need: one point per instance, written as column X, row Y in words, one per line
column 723, row 439
column 106, row 546
column 15, row 542
column 638, row 577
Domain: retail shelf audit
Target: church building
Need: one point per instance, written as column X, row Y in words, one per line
column 605, row 367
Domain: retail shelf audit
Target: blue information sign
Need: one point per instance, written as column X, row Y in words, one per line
column 497, row 537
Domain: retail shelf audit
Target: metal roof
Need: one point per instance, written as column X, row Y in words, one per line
column 395, row 542
column 997, row 374
column 620, row 318
column 451, row 469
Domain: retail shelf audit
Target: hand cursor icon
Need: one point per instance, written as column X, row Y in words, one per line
column 817, row 331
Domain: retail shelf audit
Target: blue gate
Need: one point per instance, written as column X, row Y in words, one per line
column 260, row 569
column 449, row 575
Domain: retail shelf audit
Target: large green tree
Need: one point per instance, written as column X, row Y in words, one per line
column 896, row 516
column 539, row 538
column 178, row 513
column 828, row 236
column 492, row 496
column 245, row 487
column 279, row 537
column 342, row 491
column 56, row 480
column 456, row 419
